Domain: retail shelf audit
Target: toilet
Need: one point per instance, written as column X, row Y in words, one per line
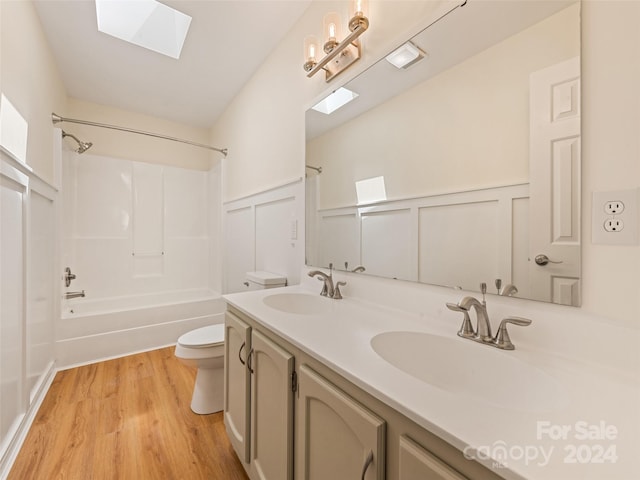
column 203, row 348
column 261, row 280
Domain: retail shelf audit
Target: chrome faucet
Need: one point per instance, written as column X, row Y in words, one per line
column 358, row 269
column 328, row 288
column 482, row 332
column 483, row 326
column 508, row 290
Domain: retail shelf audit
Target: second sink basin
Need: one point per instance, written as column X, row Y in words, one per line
column 298, row 303
column 478, row 371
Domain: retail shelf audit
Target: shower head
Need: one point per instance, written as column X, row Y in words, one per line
column 82, row 146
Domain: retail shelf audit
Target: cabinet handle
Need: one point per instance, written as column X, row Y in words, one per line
column 240, row 353
column 249, row 361
column 367, row 462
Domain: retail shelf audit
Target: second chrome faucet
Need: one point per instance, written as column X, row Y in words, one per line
column 482, row 332
column 328, row 288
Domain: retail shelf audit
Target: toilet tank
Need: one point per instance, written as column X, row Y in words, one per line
column 261, row 280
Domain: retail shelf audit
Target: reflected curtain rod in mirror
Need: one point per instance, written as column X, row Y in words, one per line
column 478, row 149
column 55, row 118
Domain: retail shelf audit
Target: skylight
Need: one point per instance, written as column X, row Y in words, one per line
column 371, row 190
column 146, row 23
column 337, row 99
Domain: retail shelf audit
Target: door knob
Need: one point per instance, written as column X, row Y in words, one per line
column 542, row 260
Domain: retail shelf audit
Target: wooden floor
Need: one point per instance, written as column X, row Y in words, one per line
column 127, row 418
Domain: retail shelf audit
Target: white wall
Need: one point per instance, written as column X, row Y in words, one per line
column 30, row 80
column 264, row 126
column 610, row 148
column 135, row 147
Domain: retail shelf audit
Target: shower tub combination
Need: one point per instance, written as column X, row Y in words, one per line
column 91, row 330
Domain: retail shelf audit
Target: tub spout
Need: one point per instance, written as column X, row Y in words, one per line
column 68, row 295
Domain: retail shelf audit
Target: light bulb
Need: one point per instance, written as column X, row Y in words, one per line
column 358, row 15
column 331, row 30
column 310, row 49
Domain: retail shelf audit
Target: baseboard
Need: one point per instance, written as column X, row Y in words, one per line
column 10, row 452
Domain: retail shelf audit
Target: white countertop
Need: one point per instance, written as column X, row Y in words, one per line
column 587, row 428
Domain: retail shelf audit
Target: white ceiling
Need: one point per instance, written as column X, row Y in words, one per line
column 226, row 43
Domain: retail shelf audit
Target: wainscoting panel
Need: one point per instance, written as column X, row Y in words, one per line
column 264, row 232
column 340, row 239
column 459, row 244
column 459, row 239
column 28, row 299
column 388, row 232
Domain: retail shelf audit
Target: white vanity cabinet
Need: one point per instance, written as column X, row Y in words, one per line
column 341, row 431
column 237, row 381
column 271, row 369
column 336, row 437
column 258, row 406
column 417, row 463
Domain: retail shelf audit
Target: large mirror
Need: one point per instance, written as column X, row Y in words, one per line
column 464, row 167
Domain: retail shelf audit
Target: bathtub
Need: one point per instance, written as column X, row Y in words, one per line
column 92, row 330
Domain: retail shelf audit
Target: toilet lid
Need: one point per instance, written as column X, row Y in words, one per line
column 203, row 337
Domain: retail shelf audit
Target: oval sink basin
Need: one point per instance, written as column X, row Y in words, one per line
column 298, row 303
column 478, row 371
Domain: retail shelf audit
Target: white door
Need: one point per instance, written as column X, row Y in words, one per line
column 237, row 344
column 554, row 167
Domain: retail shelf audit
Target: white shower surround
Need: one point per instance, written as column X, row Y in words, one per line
column 140, row 239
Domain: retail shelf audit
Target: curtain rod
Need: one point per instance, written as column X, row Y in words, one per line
column 55, row 118
column 317, row 169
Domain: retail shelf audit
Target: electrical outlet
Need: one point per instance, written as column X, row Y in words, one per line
column 615, row 217
column 614, row 207
column 613, row 225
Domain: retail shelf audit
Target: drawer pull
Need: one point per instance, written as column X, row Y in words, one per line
column 367, row 462
column 240, row 353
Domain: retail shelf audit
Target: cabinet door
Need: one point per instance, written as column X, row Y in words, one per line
column 271, row 410
column 336, row 437
column 417, row 463
column 237, row 345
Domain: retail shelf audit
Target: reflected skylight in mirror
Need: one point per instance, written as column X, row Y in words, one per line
column 333, row 102
column 371, row 190
column 146, row 23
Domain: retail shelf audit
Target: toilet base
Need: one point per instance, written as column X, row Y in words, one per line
column 208, row 391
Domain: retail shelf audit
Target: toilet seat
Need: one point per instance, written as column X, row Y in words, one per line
column 203, row 337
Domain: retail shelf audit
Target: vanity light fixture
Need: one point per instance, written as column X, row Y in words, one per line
column 405, row 56
column 340, row 54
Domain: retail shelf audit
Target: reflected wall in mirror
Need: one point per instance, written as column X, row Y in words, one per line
column 464, row 167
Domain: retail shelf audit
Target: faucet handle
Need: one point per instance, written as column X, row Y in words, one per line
column 466, row 329
column 336, row 291
column 502, row 340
